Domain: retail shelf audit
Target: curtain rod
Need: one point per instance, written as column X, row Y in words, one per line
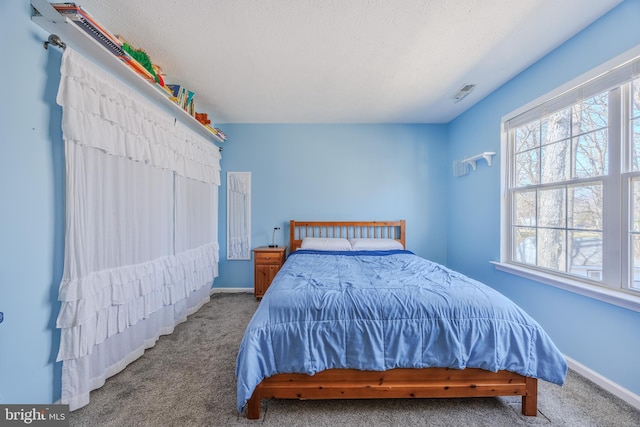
column 56, row 41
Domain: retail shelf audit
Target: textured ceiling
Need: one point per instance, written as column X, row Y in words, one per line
column 342, row 61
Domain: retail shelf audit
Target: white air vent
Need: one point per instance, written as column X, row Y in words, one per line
column 465, row 90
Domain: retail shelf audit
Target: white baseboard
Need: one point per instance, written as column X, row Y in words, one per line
column 613, row 388
column 230, row 290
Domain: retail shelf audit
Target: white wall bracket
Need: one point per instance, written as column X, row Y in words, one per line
column 461, row 167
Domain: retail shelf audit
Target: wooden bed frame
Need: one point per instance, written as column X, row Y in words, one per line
column 395, row 383
column 345, row 229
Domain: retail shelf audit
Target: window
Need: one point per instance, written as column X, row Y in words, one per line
column 571, row 175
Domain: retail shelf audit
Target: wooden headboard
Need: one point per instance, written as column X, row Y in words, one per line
column 298, row 230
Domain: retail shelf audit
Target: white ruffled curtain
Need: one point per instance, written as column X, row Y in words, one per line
column 239, row 215
column 141, row 243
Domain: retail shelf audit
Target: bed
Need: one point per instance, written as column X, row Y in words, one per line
column 372, row 320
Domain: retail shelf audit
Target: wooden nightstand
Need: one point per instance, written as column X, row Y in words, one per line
column 266, row 264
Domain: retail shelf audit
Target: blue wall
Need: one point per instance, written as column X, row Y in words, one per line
column 31, row 210
column 337, row 172
column 305, row 172
column 603, row 337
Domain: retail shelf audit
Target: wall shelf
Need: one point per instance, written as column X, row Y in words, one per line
column 44, row 15
column 461, row 167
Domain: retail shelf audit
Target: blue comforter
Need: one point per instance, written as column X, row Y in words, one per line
column 379, row 310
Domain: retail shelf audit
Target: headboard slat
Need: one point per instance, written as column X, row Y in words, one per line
column 298, row 230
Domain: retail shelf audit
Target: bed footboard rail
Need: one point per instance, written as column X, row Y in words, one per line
column 396, row 383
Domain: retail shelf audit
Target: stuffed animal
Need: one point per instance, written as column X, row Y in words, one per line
column 203, row 118
column 143, row 59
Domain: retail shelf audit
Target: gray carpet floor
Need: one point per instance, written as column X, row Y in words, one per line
column 188, row 379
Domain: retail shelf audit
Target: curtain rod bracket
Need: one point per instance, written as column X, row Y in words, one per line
column 56, row 41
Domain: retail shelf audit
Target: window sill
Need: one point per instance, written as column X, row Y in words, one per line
column 621, row 299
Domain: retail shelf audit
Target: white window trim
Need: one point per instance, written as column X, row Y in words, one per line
column 613, row 296
column 600, row 293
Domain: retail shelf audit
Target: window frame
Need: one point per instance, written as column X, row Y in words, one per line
column 614, row 288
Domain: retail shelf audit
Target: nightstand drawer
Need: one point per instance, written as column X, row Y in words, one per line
column 268, row 257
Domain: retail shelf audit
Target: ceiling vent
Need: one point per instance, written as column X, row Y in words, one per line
column 465, row 90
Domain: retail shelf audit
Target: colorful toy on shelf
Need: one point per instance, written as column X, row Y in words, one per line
column 142, row 58
column 159, row 74
column 203, row 118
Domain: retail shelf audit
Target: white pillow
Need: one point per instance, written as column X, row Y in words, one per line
column 325, row 244
column 374, row 244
